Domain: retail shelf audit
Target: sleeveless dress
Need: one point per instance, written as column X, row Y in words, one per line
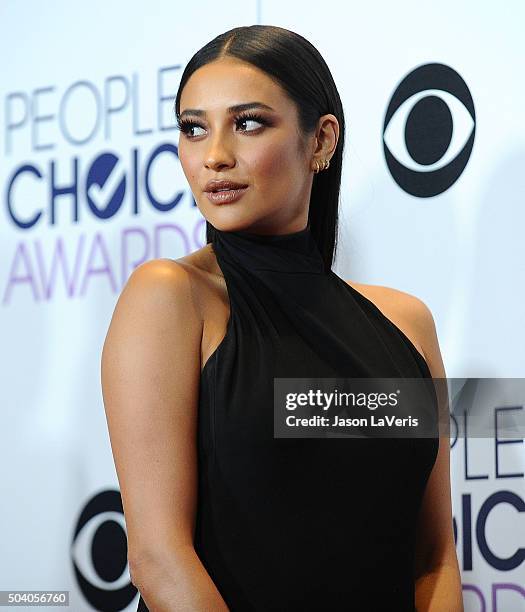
column 302, row 524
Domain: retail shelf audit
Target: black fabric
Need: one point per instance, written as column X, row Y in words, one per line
column 302, row 524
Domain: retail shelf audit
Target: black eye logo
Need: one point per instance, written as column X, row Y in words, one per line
column 99, row 554
column 429, row 129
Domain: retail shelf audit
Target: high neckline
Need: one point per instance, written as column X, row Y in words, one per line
column 292, row 252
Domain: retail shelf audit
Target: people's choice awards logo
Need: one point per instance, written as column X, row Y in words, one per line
column 99, row 553
column 429, row 129
column 83, row 217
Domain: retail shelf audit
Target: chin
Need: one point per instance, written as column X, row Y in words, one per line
column 229, row 221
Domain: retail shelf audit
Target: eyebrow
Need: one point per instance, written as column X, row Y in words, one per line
column 231, row 110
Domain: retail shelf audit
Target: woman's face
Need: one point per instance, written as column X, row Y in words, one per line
column 268, row 153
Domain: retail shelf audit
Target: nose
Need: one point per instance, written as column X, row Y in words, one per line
column 219, row 155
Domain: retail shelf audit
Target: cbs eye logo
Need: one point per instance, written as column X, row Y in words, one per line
column 99, row 553
column 429, row 129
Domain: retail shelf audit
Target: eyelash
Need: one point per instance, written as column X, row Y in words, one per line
column 184, row 125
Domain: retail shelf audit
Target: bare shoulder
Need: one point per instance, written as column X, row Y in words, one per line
column 157, row 286
column 410, row 314
column 170, row 294
column 158, row 306
column 396, row 302
column 163, row 280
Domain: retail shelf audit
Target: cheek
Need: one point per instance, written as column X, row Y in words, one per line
column 273, row 161
column 189, row 165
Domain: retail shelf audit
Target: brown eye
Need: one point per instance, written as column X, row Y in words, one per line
column 184, row 125
column 250, row 117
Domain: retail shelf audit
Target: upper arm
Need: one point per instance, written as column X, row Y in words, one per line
column 150, row 371
column 435, row 535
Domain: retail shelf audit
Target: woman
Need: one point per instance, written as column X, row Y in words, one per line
column 221, row 514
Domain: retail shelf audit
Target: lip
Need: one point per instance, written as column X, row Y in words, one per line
column 216, row 184
column 225, row 197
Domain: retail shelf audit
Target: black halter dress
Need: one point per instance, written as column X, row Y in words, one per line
column 302, row 524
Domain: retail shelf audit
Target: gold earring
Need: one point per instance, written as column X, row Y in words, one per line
column 325, row 164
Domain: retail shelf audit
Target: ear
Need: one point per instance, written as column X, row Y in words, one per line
column 327, row 136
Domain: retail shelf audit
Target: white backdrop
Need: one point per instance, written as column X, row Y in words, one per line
column 91, row 187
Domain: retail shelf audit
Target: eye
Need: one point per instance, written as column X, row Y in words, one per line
column 250, row 117
column 186, row 125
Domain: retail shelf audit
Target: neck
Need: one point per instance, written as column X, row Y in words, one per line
column 271, row 235
column 287, row 253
